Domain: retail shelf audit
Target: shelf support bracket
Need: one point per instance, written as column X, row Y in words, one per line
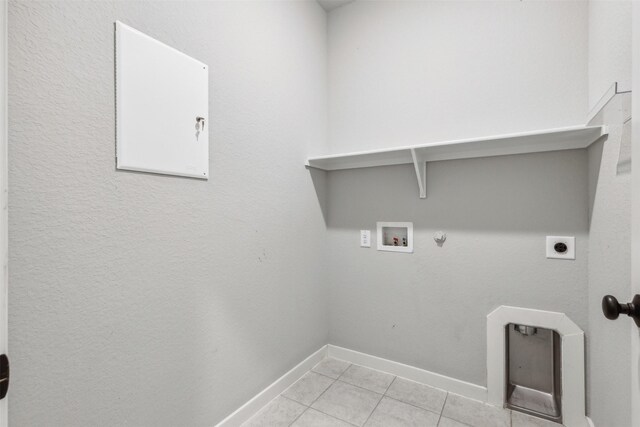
column 421, row 173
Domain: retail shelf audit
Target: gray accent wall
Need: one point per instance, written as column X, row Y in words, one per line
column 147, row 300
column 428, row 309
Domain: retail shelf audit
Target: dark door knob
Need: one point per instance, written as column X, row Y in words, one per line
column 4, row 375
column 612, row 308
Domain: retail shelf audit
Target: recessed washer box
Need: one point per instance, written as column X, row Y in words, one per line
column 395, row 236
column 162, row 107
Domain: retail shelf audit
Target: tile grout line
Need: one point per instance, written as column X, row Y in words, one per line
column 326, row 376
column 336, row 418
column 329, row 415
column 342, row 373
column 293, row 400
column 390, row 384
column 439, row 413
column 412, row 405
column 393, row 398
column 364, row 388
column 360, row 387
column 392, row 381
column 296, row 418
column 408, row 403
column 378, row 404
column 307, row 407
column 302, row 413
column 398, row 376
column 314, row 401
column 269, row 403
column 325, row 390
column 442, row 410
column 465, row 423
column 382, row 395
column 366, row 367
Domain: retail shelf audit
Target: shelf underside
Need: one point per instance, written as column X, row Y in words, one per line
column 500, row 145
column 529, row 142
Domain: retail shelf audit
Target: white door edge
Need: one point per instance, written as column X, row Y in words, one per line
column 4, row 244
column 635, row 219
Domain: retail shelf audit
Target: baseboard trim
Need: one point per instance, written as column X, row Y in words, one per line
column 472, row 391
column 249, row 409
column 259, row 401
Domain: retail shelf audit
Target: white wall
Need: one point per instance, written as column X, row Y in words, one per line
column 148, row 300
column 608, row 344
column 609, row 46
column 405, row 72
column 408, row 72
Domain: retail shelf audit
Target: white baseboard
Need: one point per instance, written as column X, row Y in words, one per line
column 432, row 379
column 250, row 408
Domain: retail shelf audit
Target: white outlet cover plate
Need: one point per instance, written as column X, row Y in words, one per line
column 570, row 241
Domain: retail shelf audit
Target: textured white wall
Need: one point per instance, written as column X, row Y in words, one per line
column 149, row 300
column 609, row 46
column 108, row 268
column 4, row 218
column 408, row 72
column 405, row 72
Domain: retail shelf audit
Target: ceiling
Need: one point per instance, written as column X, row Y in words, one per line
column 329, row 5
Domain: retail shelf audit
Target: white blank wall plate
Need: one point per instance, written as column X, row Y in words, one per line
column 365, row 238
column 160, row 93
column 570, row 243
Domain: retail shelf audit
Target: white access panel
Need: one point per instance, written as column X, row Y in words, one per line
column 162, row 107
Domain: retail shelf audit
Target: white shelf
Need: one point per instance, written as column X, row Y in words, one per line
column 499, row 145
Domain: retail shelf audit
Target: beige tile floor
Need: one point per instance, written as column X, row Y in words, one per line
column 337, row 393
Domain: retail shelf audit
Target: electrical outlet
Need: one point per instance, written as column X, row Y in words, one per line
column 561, row 247
column 365, row 238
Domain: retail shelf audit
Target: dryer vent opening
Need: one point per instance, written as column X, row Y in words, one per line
column 533, row 367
